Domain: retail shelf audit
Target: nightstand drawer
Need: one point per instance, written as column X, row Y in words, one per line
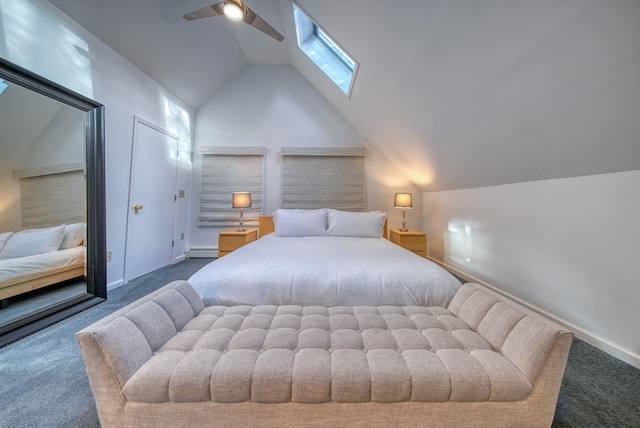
column 231, row 240
column 411, row 240
column 230, row 243
column 413, row 243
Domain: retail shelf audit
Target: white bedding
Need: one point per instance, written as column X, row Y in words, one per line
column 21, row 266
column 325, row 271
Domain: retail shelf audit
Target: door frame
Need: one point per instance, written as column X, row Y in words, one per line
column 138, row 120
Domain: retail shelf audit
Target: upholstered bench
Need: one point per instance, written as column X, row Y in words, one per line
column 169, row 360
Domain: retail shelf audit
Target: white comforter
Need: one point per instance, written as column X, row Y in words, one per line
column 22, row 266
column 325, row 271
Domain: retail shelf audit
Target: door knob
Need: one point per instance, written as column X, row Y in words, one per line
column 137, row 208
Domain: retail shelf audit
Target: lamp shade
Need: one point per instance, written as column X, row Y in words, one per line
column 241, row 199
column 403, row 200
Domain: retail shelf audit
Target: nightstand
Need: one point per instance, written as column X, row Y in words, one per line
column 412, row 240
column 231, row 240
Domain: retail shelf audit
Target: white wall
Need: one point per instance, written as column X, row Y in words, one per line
column 566, row 246
column 62, row 141
column 274, row 106
column 10, row 220
column 39, row 37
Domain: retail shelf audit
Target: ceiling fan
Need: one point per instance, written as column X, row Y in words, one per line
column 236, row 11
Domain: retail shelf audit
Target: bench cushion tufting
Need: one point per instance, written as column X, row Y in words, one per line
column 315, row 354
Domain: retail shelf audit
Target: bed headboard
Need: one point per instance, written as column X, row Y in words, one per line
column 50, row 196
column 266, row 226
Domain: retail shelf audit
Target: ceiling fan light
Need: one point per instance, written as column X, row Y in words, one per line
column 233, row 11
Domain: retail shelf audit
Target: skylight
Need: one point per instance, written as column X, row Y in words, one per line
column 333, row 60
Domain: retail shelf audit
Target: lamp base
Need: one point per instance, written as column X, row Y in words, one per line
column 241, row 228
column 404, row 223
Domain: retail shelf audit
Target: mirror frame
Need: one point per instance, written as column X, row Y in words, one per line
column 96, row 278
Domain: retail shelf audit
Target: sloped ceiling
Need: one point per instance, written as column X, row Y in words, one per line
column 18, row 130
column 191, row 59
column 456, row 94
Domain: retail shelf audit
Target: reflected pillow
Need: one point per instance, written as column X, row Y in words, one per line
column 33, row 241
column 300, row 222
column 4, row 237
column 356, row 224
column 73, row 236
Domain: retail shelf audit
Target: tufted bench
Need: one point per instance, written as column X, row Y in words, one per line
column 169, row 360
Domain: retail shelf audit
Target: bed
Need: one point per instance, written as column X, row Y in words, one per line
column 36, row 258
column 324, row 257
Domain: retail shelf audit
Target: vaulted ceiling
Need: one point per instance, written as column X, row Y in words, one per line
column 456, row 94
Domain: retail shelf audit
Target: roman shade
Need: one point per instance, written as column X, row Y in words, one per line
column 225, row 170
column 321, row 177
column 52, row 195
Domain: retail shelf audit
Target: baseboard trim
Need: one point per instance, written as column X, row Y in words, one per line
column 115, row 284
column 605, row 345
column 201, row 253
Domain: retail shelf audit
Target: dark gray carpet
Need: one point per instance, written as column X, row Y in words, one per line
column 43, row 382
column 598, row 390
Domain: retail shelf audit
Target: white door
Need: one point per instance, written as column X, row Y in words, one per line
column 152, row 201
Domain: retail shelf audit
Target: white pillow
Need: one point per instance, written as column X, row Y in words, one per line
column 73, row 235
column 300, row 222
column 4, row 237
column 356, row 224
column 33, row 241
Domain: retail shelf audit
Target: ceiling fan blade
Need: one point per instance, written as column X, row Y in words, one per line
column 255, row 21
column 205, row 12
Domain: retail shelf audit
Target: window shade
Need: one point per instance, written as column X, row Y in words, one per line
column 51, row 196
column 226, row 170
column 323, row 178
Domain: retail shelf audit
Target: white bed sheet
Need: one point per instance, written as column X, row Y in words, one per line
column 325, row 271
column 21, row 266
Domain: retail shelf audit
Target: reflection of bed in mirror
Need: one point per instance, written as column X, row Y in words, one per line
column 51, row 247
column 23, row 274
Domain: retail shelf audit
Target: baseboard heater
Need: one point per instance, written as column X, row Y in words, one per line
column 201, row 253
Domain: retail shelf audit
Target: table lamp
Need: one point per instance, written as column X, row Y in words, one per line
column 241, row 200
column 404, row 201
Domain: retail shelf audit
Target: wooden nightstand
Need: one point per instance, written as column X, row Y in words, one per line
column 231, row 240
column 412, row 240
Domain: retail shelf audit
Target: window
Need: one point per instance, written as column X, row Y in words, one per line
column 226, row 170
column 333, row 60
column 3, row 86
column 178, row 123
column 334, row 49
column 324, row 177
